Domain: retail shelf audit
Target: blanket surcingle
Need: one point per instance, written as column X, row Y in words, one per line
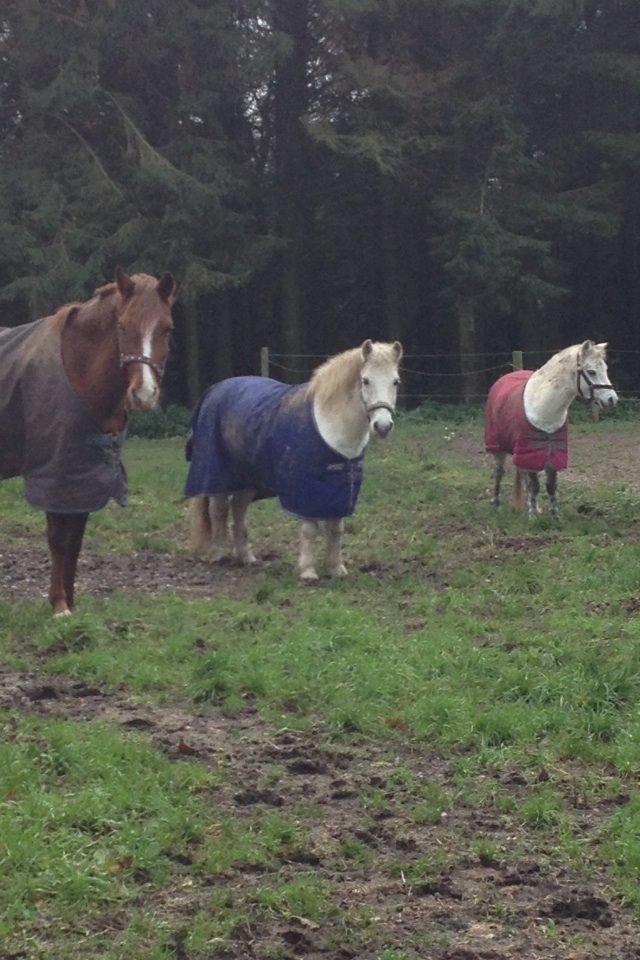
column 254, row 433
column 47, row 432
column 507, row 430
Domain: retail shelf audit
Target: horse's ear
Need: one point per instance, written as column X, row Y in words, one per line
column 602, row 347
column 126, row 286
column 397, row 350
column 366, row 349
column 166, row 287
column 586, row 348
column 72, row 313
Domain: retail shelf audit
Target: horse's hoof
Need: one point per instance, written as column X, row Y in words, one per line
column 340, row 571
column 62, row 613
column 309, row 576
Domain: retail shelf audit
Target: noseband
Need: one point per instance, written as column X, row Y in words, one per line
column 127, row 358
column 582, row 373
column 378, row 406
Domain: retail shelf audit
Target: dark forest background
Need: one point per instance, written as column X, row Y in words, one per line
column 458, row 174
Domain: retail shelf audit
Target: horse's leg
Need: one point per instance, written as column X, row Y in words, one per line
column 306, row 566
column 552, row 482
column 200, row 524
column 334, row 531
column 219, row 515
column 56, row 536
column 533, row 489
column 239, row 506
column 76, row 523
column 498, row 474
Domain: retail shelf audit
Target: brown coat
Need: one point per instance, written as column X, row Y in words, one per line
column 47, row 433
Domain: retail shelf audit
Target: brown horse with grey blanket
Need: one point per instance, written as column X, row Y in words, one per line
column 65, row 384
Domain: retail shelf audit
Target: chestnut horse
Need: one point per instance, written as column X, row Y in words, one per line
column 65, row 384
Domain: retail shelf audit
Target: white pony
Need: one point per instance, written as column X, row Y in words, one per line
column 252, row 437
column 526, row 416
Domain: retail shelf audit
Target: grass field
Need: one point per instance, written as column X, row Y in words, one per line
column 435, row 758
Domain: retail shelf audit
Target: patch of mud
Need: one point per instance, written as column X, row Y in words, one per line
column 25, row 567
column 418, row 889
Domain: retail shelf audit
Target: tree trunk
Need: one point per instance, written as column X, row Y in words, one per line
column 291, row 97
column 467, row 339
column 192, row 351
column 222, row 339
column 390, row 261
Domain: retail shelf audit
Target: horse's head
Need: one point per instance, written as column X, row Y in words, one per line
column 379, row 381
column 593, row 378
column 143, row 308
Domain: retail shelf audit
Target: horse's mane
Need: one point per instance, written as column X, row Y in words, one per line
column 336, row 377
column 97, row 310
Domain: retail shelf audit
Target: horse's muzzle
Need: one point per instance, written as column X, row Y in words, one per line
column 144, row 398
column 608, row 400
column 383, row 428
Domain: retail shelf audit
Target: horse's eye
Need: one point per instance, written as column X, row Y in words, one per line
column 591, row 373
column 365, row 381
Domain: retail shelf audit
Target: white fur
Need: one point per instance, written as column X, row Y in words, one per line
column 551, row 390
column 348, row 430
column 147, row 392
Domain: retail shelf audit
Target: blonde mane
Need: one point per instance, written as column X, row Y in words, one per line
column 336, row 378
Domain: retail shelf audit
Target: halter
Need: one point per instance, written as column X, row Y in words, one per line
column 377, row 406
column 581, row 372
column 126, row 358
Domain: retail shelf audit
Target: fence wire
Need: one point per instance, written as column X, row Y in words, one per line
column 275, row 361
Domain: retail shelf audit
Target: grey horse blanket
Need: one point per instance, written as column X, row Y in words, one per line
column 47, row 432
column 254, row 433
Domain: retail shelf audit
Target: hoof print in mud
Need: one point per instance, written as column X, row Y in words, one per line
column 583, row 908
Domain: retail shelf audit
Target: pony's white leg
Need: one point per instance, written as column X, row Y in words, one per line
column 334, row 531
column 498, row 473
column 533, row 489
column 219, row 517
column 306, row 565
column 552, row 481
column 239, row 506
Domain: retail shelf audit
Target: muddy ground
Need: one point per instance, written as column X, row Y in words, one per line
column 508, row 907
column 474, row 908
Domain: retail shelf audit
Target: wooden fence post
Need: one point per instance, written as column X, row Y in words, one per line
column 516, row 360
column 264, row 361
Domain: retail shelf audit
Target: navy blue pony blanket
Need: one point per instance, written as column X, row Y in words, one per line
column 254, row 433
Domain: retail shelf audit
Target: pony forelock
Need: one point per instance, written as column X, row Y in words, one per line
column 339, row 376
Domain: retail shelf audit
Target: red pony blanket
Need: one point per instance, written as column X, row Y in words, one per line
column 507, row 430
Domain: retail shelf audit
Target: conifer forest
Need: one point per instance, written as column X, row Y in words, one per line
column 459, row 174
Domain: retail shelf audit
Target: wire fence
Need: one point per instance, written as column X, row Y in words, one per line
column 429, row 384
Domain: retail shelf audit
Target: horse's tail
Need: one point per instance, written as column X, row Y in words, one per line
column 200, row 524
column 518, row 490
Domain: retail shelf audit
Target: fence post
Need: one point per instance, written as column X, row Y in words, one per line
column 516, row 360
column 264, row 361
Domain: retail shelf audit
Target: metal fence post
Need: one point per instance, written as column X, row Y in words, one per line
column 516, row 360
column 264, row 361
